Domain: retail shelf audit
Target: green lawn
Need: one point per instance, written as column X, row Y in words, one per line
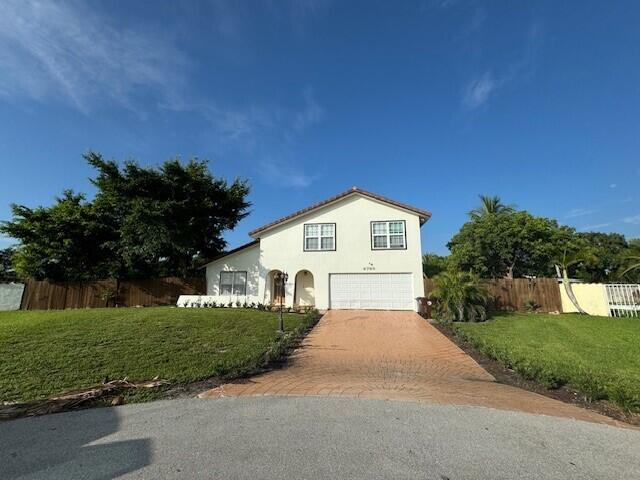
column 43, row 353
column 599, row 356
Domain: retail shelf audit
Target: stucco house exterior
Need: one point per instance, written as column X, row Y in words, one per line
column 356, row 250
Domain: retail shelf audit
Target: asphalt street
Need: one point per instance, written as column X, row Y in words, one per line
column 312, row 438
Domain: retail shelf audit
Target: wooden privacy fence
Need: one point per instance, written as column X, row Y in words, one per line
column 44, row 295
column 512, row 294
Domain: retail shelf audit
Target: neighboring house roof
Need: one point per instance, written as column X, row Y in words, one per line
column 231, row 252
column 423, row 214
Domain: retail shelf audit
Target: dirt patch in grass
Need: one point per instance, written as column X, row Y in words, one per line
column 509, row 376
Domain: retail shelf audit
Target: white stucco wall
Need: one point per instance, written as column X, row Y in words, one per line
column 247, row 260
column 11, row 295
column 281, row 248
column 592, row 297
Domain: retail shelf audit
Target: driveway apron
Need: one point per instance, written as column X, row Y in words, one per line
column 392, row 356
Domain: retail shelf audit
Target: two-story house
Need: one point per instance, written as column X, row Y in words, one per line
column 356, row 250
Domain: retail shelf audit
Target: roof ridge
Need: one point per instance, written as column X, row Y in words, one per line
column 422, row 213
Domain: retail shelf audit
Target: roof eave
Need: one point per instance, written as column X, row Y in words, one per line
column 253, row 243
column 422, row 214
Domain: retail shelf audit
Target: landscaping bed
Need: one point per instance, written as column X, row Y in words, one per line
column 47, row 353
column 583, row 359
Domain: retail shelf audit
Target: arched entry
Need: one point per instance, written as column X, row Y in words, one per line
column 304, row 289
column 276, row 289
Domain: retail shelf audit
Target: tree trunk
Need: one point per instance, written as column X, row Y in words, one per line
column 510, row 273
column 569, row 289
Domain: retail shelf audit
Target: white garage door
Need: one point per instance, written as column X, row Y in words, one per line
column 371, row 291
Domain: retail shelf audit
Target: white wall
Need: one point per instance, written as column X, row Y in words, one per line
column 247, row 260
column 282, row 247
column 11, row 295
column 592, row 297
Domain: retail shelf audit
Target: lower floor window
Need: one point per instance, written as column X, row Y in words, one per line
column 233, row 283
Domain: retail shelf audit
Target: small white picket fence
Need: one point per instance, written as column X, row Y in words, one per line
column 624, row 299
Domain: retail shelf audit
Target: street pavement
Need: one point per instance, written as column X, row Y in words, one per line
column 272, row 437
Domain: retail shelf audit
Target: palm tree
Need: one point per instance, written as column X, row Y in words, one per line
column 567, row 260
column 459, row 296
column 490, row 206
column 634, row 266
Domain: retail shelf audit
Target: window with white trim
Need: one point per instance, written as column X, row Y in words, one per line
column 388, row 235
column 233, row 283
column 319, row 237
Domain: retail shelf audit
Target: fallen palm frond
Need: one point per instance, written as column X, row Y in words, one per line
column 72, row 400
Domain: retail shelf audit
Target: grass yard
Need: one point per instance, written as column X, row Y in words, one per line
column 43, row 353
column 599, row 356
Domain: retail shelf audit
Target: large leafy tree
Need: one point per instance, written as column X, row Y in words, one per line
column 65, row 241
column 7, row 272
column 509, row 245
column 142, row 222
column 609, row 251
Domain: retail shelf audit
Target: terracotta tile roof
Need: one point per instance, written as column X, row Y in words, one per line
column 225, row 254
column 423, row 214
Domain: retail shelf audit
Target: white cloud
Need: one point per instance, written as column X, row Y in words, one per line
column 254, row 124
column 478, row 90
column 5, row 240
column 634, row 220
column 311, row 114
column 66, row 51
column 579, row 212
column 286, row 174
column 69, row 52
column 483, row 86
column 597, row 226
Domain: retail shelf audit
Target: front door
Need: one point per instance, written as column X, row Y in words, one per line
column 278, row 292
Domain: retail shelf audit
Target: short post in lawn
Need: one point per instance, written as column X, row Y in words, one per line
column 281, row 279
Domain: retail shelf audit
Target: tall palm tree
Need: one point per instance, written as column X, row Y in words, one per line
column 490, row 206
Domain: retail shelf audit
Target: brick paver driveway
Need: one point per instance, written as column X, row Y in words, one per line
column 394, row 356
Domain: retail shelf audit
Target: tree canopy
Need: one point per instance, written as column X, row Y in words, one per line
column 433, row 264
column 513, row 245
column 7, row 272
column 499, row 241
column 143, row 221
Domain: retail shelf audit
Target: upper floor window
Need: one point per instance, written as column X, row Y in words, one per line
column 233, row 283
column 388, row 235
column 319, row 236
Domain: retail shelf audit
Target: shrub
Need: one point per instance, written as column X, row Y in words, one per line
column 230, row 304
column 531, row 306
column 238, row 304
column 459, row 297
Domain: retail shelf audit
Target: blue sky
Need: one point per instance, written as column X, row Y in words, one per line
column 430, row 103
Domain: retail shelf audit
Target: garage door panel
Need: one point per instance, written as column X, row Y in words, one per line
column 371, row 291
